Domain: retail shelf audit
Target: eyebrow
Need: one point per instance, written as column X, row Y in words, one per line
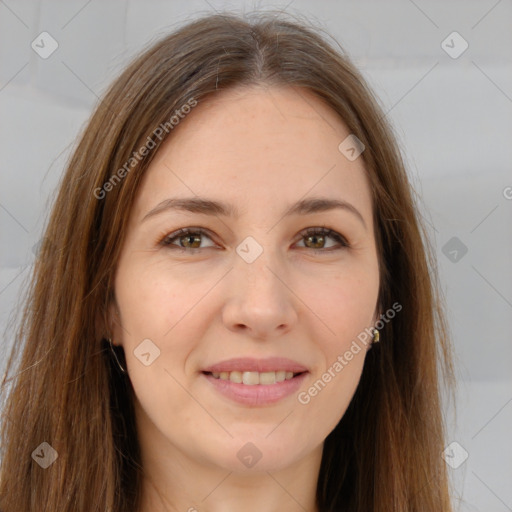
column 210, row 207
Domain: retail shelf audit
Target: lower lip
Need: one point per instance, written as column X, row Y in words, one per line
column 258, row 394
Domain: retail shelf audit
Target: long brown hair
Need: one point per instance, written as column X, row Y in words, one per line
column 385, row 453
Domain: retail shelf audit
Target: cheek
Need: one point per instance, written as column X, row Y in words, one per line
column 327, row 396
column 168, row 306
column 153, row 300
column 162, row 310
column 346, row 305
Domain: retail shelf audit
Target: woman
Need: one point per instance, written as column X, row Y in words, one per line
column 233, row 235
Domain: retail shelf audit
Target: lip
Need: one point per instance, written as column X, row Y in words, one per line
column 249, row 364
column 258, row 394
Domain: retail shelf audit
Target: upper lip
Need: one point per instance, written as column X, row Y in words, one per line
column 248, row 364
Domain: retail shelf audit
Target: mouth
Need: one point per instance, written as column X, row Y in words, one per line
column 256, row 382
column 252, row 378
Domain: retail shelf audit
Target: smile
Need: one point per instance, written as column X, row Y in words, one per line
column 254, row 378
column 255, row 381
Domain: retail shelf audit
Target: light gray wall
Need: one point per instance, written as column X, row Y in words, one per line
column 453, row 117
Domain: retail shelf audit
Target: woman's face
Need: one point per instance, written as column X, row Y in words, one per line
column 247, row 294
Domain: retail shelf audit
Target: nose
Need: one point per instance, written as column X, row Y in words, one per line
column 260, row 302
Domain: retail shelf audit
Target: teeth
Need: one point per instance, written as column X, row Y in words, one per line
column 250, row 378
column 253, row 378
column 280, row 376
column 236, row 377
column 268, row 378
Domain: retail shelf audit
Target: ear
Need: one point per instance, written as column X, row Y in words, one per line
column 376, row 315
column 108, row 323
column 113, row 323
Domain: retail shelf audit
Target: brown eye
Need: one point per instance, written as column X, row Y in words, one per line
column 191, row 241
column 188, row 238
column 316, row 238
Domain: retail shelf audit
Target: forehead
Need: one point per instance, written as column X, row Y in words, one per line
column 256, row 145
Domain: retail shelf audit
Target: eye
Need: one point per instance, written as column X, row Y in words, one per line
column 191, row 238
column 317, row 238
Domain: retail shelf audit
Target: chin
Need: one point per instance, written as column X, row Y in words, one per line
column 252, row 454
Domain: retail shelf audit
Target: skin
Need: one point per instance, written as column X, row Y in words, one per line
column 260, row 149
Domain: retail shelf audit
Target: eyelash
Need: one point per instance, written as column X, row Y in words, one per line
column 325, row 232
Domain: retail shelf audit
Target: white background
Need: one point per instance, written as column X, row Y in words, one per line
column 453, row 118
